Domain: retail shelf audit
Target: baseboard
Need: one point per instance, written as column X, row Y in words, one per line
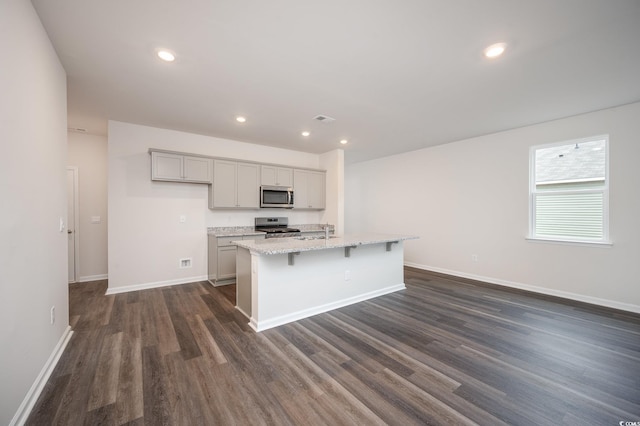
column 243, row 312
column 534, row 289
column 220, row 283
column 157, row 284
column 295, row 316
column 36, row 389
column 92, row 278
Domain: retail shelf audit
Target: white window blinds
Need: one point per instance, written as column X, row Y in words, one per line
column 569, row 197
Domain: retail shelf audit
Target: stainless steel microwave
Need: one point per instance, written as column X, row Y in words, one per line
column 276, row 196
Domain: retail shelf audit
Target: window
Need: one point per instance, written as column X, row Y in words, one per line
column 569, row 191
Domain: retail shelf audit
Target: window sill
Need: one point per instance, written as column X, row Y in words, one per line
column 571, row 242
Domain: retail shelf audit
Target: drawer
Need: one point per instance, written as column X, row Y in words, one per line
column 227, row 241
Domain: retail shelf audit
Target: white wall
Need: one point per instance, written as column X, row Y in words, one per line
column 33, row 252
column 145, row 238
column 471, row 197
column 89, row 154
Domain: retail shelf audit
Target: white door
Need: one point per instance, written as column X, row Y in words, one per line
column 72, row 203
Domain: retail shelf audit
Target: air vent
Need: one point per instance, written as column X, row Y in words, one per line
column 185, row 263
column 324, row 118
column 77, row 129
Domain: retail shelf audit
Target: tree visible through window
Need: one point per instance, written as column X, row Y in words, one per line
column 569, row 191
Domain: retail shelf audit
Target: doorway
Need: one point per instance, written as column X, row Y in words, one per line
column 72, row 223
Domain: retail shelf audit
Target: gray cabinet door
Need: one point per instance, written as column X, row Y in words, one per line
column 309, row 189
column 198, row 169
column 223, row 190
column 300, row 193
column 166, row 166
column 268, row 175
column 226, row 262
column 247, row 186
column 181, row 168
column 316, row 190
column 235, row 185
column 273, row 175
column 284, row 176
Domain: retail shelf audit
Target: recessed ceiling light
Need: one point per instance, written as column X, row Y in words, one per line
column 165, row 55
column 305, row 134
column 495, row 50
column 344, row 141
column 240, row 119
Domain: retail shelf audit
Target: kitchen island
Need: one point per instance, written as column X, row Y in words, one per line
column 281, row 280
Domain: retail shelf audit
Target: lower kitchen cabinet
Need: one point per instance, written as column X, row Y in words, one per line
column 226, row 263
column 222, row 258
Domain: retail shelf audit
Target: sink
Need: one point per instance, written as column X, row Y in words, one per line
column 315, row 237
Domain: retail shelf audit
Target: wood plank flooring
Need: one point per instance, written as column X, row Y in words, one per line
column 443, row 351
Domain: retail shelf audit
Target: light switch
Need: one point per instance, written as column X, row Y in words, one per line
column 95, row 219
column 183, row 218
column 61, row 225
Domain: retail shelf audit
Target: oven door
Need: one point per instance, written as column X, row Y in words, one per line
column 276, row 196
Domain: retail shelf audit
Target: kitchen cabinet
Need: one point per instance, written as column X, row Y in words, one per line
column 221, row 253
column 309, row 189
column 278, row 176
column 235, row 185
column 181, row 168
column 226, row 263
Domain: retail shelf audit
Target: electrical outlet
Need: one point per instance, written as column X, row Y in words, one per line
column 183, row 218
column 474, row 257
column 53, row 315
column 185, row 263
column 347, row 275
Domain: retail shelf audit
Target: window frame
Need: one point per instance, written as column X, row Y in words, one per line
column 605, row 240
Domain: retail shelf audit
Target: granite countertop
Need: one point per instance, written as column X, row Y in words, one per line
column 233, row 231
column 299, row 244
column 238, row 231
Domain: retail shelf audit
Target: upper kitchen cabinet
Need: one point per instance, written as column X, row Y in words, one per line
column 308, row 189
column 235, row 185
column 181, row 168
column 278, row 176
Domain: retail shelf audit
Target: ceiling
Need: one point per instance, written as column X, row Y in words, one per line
column 396, row 75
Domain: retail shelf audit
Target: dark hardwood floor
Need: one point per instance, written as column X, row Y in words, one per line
column 444, row 351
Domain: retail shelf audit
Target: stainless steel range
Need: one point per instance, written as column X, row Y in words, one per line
column 275, row 227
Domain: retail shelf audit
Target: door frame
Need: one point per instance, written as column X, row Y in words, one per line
column 76, row 225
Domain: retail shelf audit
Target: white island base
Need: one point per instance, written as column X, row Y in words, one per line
column 275, row 289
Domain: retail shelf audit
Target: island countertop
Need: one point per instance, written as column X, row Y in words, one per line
column 272, row 246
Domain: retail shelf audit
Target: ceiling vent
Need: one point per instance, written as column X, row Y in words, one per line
column 324, row 118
